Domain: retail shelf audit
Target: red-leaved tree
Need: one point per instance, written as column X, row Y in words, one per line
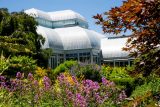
column 142, row 18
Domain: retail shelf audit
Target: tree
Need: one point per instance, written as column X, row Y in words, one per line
column 18, row 36
column 142, row 18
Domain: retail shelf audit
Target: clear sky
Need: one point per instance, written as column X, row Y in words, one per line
column 86, row 8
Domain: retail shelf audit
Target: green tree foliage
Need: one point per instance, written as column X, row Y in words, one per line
column 18, row 36
column 11, row 65
column 142, row 17
column 4, row 64
column 23, row 64
column 18, row 32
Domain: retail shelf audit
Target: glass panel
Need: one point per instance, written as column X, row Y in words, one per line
column 80, row 54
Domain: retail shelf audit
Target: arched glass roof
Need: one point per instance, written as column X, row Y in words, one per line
column 112, row 48
column 65, row 15
column 70, row 38
column 55, row 16
column 52, row 39
column 38, row 13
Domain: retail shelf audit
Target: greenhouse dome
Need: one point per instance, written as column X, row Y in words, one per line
column 70, row 38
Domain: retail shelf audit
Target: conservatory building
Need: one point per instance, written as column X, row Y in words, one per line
column 67, row 34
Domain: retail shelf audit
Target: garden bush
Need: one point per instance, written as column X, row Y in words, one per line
column 11, row 65
column 152, row 86
column 87, row 71
column 66, row 66
column 121, row 78
column 81, row 70
column 117, row 74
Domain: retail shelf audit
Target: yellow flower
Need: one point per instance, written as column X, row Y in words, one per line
column 68, row 78
column 57, row 87
column 40, row 72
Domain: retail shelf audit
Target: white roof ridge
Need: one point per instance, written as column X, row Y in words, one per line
column 60, row 11
column 57, row 15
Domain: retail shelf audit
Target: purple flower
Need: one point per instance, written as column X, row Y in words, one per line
column 87, row 83
column 30, row 77
column 105, row 81
column 74, row 79
column 91, row 85
column 3, row 84
column 47, row 82
column 98, row 98
column 80, row 101
column 2, row 78
column 96, row 86
column 61, row 78
column 69, row 94
column 13, row 84
column 35, row 82
column 19, row 75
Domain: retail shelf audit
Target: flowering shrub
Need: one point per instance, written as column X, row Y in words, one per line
column 25, row 91
column 88, row 93
column 67, row 91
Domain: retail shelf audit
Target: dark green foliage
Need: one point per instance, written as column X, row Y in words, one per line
column 147, row 64
column 19, row 29
column 43, row 56
column 3, row 12
column 18, row 36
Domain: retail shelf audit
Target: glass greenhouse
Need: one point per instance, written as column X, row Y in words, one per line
column 67, row 34
column 112, row 52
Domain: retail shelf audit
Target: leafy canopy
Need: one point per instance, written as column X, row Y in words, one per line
column 18, row 33
column 18, row 36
